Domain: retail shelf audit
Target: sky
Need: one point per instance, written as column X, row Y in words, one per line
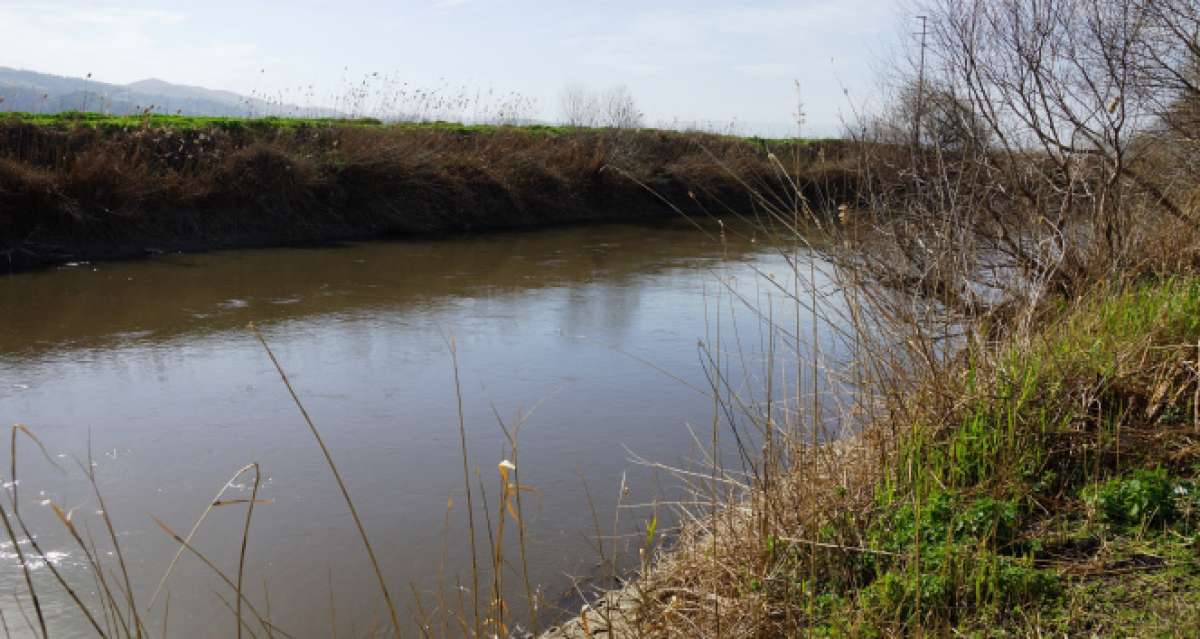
column 746, row 64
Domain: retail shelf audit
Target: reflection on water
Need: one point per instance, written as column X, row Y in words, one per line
column 151, row 363
column 102, row 305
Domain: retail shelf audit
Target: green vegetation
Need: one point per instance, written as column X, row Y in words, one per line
column 1071, row 459
column 103, row 121
column 71, row 119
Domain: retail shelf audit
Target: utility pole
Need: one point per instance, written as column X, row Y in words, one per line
column 919, row 111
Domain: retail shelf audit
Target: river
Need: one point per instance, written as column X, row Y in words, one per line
column 588, row 335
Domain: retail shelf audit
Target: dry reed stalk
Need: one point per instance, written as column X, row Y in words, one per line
column 462, row 438
column 134, row 617
column 512, row 437
column 362, row 532
column 33, row 542
column 12, row 536
column 221, row 574
column 491, row 618
column 245, row 539
column 213, row 503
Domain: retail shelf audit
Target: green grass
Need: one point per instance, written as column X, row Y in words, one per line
column 1058, row 495
column 1155, row 596
column 69, row 119
column 103, row 121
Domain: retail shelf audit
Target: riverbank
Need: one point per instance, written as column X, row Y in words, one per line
column 1049, row 484
column 85, row 186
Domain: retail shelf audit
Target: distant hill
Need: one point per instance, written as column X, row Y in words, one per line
column 36, row 92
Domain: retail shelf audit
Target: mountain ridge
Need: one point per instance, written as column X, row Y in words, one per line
column 37, row 92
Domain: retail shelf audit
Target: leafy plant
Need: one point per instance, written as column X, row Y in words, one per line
column 1140, row 496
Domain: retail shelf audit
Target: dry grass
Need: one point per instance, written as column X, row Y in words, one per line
column 118, row 190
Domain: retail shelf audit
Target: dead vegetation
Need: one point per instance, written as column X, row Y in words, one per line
column 80, row 191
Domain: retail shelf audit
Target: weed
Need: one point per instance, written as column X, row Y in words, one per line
column 1138, row 498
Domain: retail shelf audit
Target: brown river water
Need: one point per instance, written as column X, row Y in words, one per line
column 590, row 333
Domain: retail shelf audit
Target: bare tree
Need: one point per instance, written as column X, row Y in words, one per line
column 620, row 109
column 938, row 117
column 1056, row 143
column 1169, row 65
column 1067, row 78
column 1169, row 62
column 613, row 108
column 580, row 107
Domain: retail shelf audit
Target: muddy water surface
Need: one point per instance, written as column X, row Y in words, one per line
column 587, row 334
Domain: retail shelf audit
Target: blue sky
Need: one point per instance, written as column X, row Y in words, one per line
column 699, row 61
